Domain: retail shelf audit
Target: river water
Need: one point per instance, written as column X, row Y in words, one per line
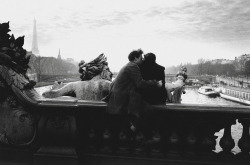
column 193, row 97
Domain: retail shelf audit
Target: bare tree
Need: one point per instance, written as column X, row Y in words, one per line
column 201, row 62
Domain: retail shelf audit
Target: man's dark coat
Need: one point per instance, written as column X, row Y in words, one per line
column 124, row 97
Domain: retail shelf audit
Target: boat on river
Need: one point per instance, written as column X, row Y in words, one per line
column 237, row 94
column 208, row 91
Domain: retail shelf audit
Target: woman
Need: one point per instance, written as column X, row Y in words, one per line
column 152, row 71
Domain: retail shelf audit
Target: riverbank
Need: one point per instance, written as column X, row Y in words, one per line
column 51, row 82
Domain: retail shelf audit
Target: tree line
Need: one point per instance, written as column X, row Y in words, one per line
column 207, row 67
column 51, row 66
column 54, row 66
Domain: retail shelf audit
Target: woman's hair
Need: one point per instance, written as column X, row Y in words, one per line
column 135, row 54
column 150, row 58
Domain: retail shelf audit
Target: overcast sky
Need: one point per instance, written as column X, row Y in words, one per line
column 177, row 31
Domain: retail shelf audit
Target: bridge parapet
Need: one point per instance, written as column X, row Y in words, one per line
column 76, row 131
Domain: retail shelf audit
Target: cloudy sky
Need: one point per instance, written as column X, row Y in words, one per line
column 177, row 31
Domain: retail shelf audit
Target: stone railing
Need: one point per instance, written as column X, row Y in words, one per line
column 72, row 131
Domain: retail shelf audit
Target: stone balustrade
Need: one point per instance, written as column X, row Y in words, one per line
column 72, row 131
column 179, row 133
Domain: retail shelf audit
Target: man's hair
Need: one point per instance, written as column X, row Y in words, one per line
column 135, row 54
column 150, row 57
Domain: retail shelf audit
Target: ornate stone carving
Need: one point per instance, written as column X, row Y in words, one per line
column 16, row 125
column 96, row 79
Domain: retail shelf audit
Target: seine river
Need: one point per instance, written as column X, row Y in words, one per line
column 193, row 97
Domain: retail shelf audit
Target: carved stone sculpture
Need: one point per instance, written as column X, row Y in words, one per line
column 96, row 79
column 176, row 88
column 16, row 125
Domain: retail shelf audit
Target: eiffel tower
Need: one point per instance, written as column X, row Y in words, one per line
column 34, row 48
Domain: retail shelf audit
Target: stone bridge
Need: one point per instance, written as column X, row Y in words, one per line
column 37, row 130
column 204, row 78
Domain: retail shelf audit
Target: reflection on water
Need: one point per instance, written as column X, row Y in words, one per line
column 193, row 97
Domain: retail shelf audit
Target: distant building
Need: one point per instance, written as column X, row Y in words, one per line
column 222, row 61
column 68, row 60
column 72, row 61
column 240, row 62
column 244, row 57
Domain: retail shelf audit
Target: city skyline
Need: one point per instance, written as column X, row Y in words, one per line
column 177, row 32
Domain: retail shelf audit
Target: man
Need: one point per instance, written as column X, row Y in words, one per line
column 124, row 97
column 125, row 103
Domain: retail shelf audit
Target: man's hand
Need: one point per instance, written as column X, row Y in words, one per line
column 159, row 84
column 155, row 83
